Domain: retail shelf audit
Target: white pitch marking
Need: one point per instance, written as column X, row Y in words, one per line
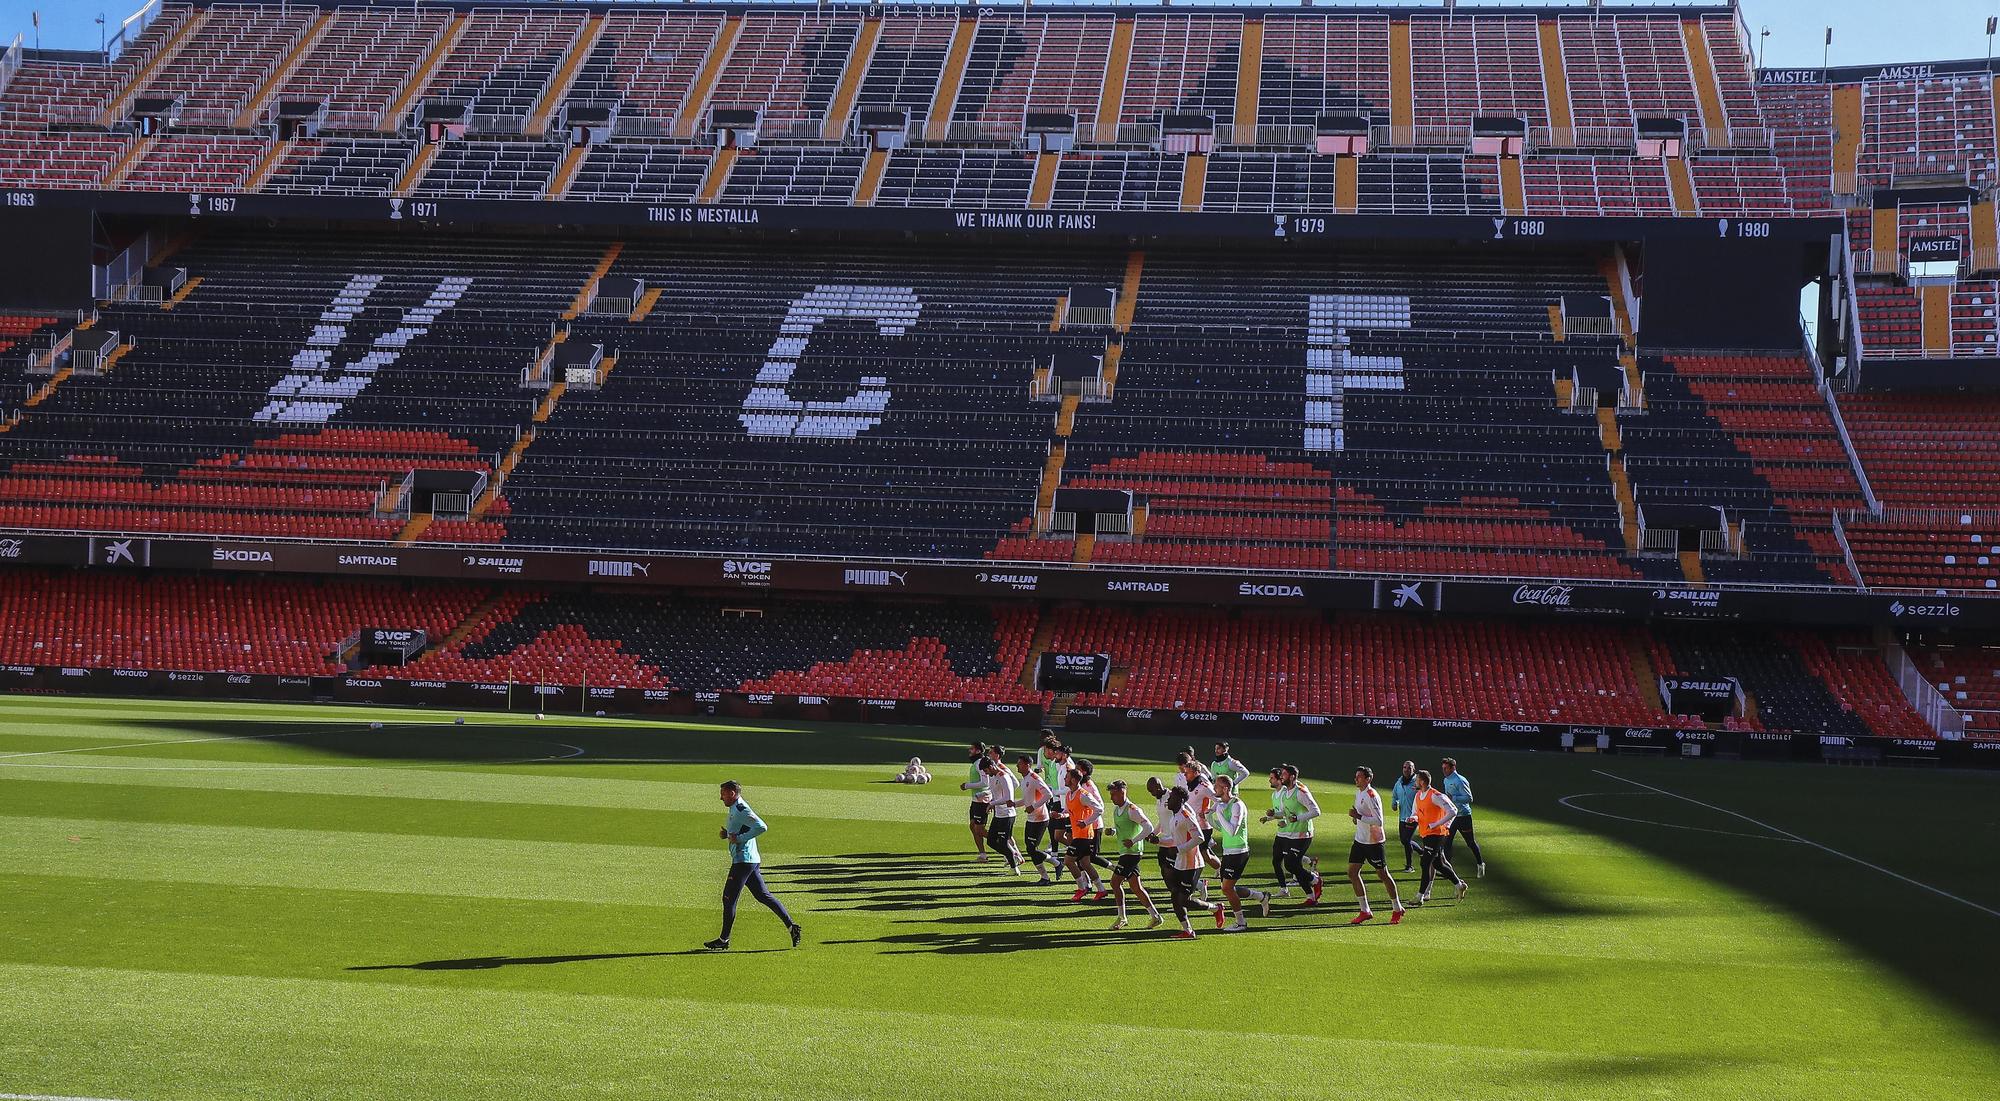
column 1805, row 841
column 1565, row 801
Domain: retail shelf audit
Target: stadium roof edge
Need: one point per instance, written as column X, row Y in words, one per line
column 1412, row 7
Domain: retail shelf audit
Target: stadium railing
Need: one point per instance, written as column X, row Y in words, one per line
column 1948, row 721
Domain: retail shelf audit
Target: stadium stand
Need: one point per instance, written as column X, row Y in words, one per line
column 1363, row 666
column 940, row 470
column 1935, row 464
column 502, row 62
column 1024, row 63
column 419, row 354
column 1323, row 64
column 362, row 64
column 1182, row 63
column 786, row 65
column 646, row 62
column 1794, row 682
column 251, row 625
column 1163, row 658
column 1467, row 66
column 1393, row 407
column 1969, row 678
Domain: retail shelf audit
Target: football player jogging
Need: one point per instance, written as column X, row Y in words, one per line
column 1004, row 796
column 1459, row 790
column 1369, row 841
column 1201, row 797
column 1036, row 796
column 1435, row 811
column 1403, row 794
column 1230, row 821
column 1130, row 826
column 981, row 809
column 745, row 866
column 1052, row 760
column 1182, row 832
column 1293, row 808
column 1086, row 818
column 1226, row 765
column 1159, row 793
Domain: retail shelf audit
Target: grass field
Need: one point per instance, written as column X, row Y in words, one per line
column 220, row 901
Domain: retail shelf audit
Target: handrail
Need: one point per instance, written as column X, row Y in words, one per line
column 1938, row 712
column 1948, row 517
column 1853, row 307
column 1847, row 552
column 1847, row 445
column 130, row 28
column 10, row 63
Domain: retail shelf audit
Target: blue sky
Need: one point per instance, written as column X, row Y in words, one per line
column 1865, row 31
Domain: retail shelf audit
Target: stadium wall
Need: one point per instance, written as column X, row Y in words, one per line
column 1426, row 596
column 48, row 256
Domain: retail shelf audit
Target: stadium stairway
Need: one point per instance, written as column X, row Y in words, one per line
column 842, row 106
column 392, row 120
column 480, row 616
column 1402, row 81
column 565, row 174
column 267, row 165
column 565, row 76
column 698, row 95
column 1714, row 121
column 414, row 528
column 1038, row 644
column 134, row 154
column 1680, row 180
column 254, row 106
column 870, row 183
column 1117, row 67
column 181, row 295
column 1554, row 81
column 718, row 172
column 938, row 125
column 114, row 110
column 1042, row 191
column 1249, row 80
column 427, row 153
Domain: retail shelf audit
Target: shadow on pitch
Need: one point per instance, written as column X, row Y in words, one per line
column 487, row 963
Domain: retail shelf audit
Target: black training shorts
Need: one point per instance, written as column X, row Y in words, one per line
column 1361, row 852
column 980, row 812
column 1128, row 866
column 1232, row 866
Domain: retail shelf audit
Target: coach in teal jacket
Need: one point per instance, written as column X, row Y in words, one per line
column 1459, row 791
column 742, row 831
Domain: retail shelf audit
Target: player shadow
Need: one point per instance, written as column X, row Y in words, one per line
column 486, row 963
column 1025, row 940
column 951, row 944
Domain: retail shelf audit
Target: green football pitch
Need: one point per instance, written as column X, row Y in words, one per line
column 205, row 901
